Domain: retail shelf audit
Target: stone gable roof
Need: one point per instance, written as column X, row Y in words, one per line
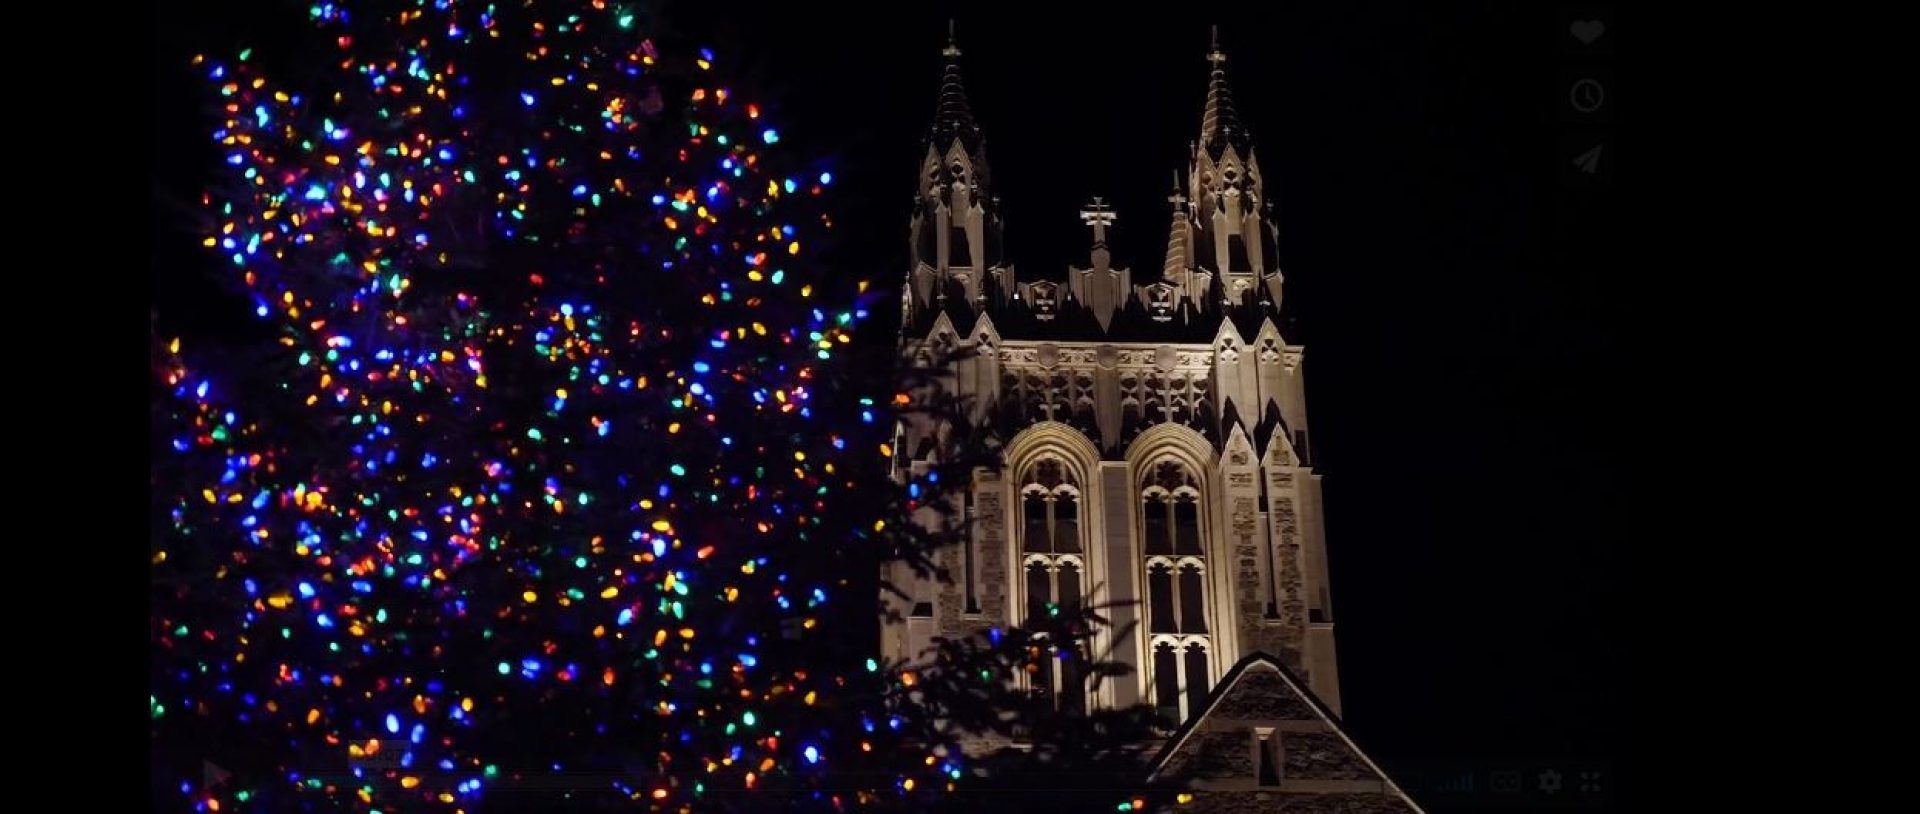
column 1318, row 768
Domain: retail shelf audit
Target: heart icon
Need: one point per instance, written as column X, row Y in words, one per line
column 1586, row 31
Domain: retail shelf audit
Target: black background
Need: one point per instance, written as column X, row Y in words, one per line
column 1448, row 270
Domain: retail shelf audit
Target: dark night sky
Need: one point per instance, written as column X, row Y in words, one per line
column 1441, row 267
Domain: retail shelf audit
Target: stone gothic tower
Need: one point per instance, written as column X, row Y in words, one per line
column 1155, row 443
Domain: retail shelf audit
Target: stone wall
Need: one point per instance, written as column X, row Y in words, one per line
column 1320, row 756
column 1264, row 696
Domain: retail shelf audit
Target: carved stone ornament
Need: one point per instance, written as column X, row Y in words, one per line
column 1165, row 358
column 1169, row 475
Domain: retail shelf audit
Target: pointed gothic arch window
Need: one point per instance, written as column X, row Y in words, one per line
column 1175, row 576
column 1186, row 523
column 1054, row 571
column 1170, row 509
column 1176, row 595
column 1060, row 675
column 1182, row 670
column 1192, row 596
column 1166, row 682
column 1072, row 696
column 1195, row 672
column 1157, row 522
column 1161, row 617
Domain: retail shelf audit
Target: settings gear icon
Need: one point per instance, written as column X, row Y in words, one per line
column 1550, row 781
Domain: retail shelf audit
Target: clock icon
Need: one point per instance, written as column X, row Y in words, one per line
column 1587, row 95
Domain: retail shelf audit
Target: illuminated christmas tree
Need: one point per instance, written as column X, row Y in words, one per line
column 548, row 491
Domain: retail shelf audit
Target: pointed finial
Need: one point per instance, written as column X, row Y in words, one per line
column 953, row 42
column 1219, row 124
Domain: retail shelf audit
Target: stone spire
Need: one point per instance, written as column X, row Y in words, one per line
column 1232, row 236
column 956, row 230
column 953, row 117
column 1219, row 122
column 1175, row 269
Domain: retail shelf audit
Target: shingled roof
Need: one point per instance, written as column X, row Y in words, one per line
column 1316, row 766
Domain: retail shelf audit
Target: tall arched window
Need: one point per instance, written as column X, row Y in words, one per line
column 1181, row 670
column 1054, row 564
column 1062, row 676
column 1176, row 595
column 1176, row 579
column 1171, row 512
